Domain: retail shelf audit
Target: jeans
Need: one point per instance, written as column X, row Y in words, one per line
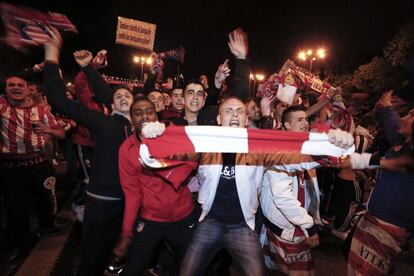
column 238, row 239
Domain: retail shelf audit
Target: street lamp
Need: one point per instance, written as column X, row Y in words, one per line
column 142, row 60
column 254, row 78
column 309, row 54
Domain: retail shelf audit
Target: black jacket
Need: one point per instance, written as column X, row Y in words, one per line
column 109, row 132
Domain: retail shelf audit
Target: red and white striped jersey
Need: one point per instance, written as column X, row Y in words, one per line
column 17, row 134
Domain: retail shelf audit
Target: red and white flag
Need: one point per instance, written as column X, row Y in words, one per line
column 26, row 27
column 188, row 139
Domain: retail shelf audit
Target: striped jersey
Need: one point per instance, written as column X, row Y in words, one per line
column 17, row 135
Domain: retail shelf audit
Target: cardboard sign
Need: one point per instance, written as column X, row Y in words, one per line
column 135, row 33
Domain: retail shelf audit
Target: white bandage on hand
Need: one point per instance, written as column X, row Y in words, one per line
column 340, row 138
column 153, row 130
column 360, row 161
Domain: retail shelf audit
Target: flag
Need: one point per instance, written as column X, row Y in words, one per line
column 173, row 54
column 290, row 78
column 27, row 27
column 189, row 139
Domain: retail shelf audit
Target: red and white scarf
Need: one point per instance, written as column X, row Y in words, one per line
column 189, row 139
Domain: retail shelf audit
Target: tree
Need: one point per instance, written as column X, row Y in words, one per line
column 396, row 50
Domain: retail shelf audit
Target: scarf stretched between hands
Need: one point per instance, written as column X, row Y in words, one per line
column 190, row 139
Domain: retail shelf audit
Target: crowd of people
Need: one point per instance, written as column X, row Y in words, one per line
column 254, row 213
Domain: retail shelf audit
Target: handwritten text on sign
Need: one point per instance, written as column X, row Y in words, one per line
column 135, row 33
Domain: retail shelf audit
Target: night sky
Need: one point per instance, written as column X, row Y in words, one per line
column 352, row 32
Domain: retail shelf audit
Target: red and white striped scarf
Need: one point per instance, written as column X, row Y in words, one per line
column 189, row 139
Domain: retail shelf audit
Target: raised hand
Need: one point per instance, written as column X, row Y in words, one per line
column 238, row 43
column 38, row 67
column 83, row 57
column 100, row 60
column 222, row 73
column 53, row 45
column 266, row 104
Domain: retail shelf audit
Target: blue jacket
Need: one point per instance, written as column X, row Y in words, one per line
column 393, row 195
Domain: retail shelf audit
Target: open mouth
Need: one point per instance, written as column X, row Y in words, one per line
column 234, row 123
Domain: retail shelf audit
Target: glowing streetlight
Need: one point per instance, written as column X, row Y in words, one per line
column 309, row 54
column 302, row 55
column 254, row 78
column 142, row 60
column 321, row 53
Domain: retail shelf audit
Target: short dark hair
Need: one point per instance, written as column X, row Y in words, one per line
column 140, row 99
column 167, row 92
column 193, row 81
column 16, row 76
column 291, row 109
column 122, row 86
column 155, row 90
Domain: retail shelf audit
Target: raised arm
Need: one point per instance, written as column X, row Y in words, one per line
column 100, row 88
column 155, row 70
column 213, row 93
column 239, row 46
column 55, row 88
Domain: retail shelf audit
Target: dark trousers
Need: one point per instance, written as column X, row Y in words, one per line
column 346, row 195
column 101, row 229
column 68, row 150
column 148, row 235
column 19, row 183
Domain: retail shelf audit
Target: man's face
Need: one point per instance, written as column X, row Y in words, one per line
column 406, row 123
column 194, row 97
column 34, row 91
column 157, row 99
column 232, row 113
column 142, row 112
column 122, row 100
column 297, row 121
column 177, row 99
column 253, row 111
column 280, row 107
column 167, row 99
column 16, row 89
